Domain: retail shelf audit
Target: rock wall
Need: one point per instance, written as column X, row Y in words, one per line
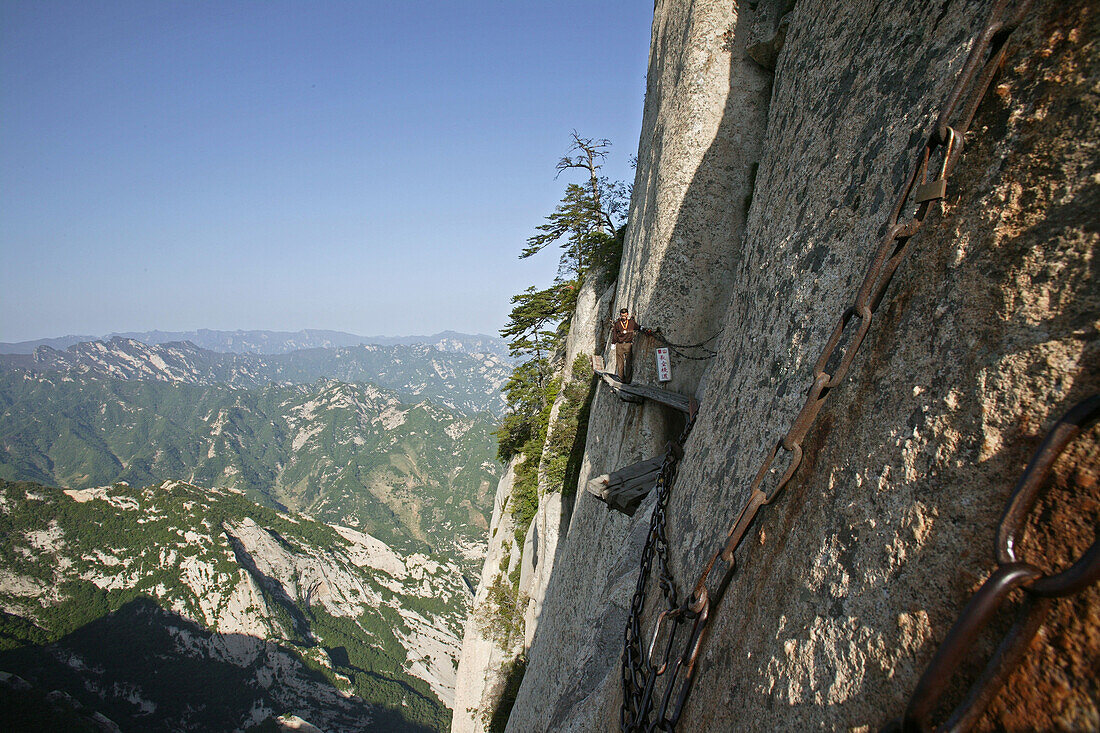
column 484, row 660
column 705, row 111
column 479, row 666
column 587, row 329
column 850, row 579
column 702, row 132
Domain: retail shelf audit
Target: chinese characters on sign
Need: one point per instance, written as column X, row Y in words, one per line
column 664, row 365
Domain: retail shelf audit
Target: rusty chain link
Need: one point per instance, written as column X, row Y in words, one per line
column 944, row 142
column 637, row 676
column 1011, row 573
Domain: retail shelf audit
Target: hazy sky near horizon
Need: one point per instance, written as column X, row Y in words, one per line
column 369, row 167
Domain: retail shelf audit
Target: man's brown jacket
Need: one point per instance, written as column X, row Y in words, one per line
column 623, row 333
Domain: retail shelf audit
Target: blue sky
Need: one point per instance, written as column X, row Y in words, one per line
column 360, row 166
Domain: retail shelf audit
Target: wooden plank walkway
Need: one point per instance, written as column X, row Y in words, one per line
column 624, row 489
column 641, row 392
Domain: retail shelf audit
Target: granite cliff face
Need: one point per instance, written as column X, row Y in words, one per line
column 496, row 638
column 775, row 139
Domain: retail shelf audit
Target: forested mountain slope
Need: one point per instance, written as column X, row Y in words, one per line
column 173, row 607
column 416, row 475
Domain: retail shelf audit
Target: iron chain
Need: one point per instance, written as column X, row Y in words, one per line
column 708, row 353
column 638, row 675
column 918, row 194
column 1011, row 573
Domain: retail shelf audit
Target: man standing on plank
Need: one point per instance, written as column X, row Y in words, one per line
column 622, row 336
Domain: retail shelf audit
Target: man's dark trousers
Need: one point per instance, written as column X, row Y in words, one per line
column 623, row 363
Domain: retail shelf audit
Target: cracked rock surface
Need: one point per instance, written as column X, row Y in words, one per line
column 849, row 580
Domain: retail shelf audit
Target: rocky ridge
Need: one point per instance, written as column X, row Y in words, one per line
column 329, row 623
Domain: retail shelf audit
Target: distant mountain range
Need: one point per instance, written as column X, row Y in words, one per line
column 396, row 440
column 463, row 381
column 416, row 476
column 276, row 342
column 300, row 548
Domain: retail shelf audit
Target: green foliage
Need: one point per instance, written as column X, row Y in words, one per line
column 579, row 228
column 525, row 494
column 500, row 617
column 532, row 311
column 525, row 487
column 526, row 396
column 513, row 433
column 607, row 257
column 525, row 391
column 560, row 454
column 586, row 216
column 16, row 631
column 565, row 446
column 584, row 225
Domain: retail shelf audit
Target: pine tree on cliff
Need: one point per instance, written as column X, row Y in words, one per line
column 585, row 221
column 584, row 225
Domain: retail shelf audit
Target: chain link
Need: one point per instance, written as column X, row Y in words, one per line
column 918, row 195
column 1011, row 573
column 638, row 674
column 708, row 353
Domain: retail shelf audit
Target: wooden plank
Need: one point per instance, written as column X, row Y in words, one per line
column 598, row 486
column 641, row 469
column 639, row 392
column 617, row 387
column 623, row 490
column 664, row 396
